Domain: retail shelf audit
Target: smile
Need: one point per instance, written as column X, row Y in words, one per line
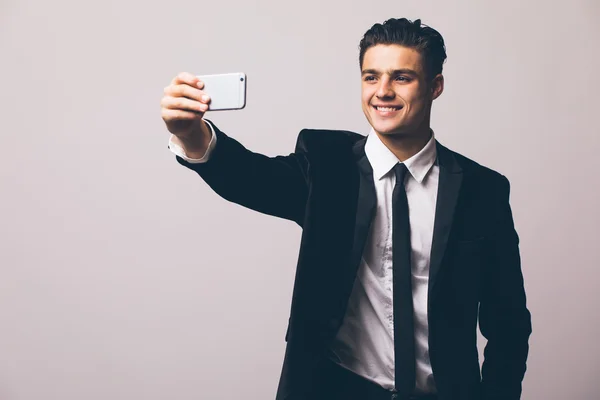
column 385, row 111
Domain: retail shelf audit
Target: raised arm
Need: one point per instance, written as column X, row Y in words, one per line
column 276, row 186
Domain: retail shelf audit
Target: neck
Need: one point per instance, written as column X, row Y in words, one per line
column 404, row 146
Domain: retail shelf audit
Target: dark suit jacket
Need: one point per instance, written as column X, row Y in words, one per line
column 326, row 187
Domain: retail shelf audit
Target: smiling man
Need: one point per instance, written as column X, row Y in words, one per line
column 397, row 93
column 406, row 244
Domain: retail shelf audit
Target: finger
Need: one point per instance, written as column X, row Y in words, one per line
column 187, row 79
column 183, row 103
column 184, row 90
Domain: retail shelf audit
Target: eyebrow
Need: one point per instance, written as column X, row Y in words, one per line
column 390, row 72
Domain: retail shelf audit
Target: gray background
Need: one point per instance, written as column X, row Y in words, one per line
column 123, row 276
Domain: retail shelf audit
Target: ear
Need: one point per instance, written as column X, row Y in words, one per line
column 437, row 86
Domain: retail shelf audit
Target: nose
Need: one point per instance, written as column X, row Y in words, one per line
column 385, row 88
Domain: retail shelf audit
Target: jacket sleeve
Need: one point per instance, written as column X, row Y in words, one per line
column 275, row 186
column 504, row 319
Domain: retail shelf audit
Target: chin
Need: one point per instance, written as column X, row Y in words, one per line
column 388, row 128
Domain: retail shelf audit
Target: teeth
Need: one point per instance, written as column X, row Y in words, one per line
column 386, row 108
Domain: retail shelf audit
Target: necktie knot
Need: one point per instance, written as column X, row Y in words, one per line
column 400, row 170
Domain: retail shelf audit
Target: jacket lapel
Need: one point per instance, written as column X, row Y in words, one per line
column 366, row 203
column 450, row 181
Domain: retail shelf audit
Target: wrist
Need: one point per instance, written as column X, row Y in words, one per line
column 196, row 142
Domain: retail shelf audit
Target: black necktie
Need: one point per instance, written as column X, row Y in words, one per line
column 404, row 336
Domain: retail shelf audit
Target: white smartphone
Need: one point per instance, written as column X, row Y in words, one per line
column 226, row 91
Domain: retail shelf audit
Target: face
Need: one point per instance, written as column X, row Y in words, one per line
column 394, row 76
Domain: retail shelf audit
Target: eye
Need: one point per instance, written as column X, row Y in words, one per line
column 368, row 78
column 402, row 78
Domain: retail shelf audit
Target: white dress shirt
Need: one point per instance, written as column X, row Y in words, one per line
column 365, row 342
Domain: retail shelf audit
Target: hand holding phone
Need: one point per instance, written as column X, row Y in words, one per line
column 186, row 99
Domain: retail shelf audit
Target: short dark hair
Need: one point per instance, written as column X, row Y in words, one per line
column 426, row 40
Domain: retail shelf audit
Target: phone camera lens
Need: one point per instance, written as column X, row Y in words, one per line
column 242, row 79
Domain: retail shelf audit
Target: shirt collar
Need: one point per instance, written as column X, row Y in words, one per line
column 383, row 160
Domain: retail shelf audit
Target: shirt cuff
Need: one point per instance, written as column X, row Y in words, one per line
column 178, row 150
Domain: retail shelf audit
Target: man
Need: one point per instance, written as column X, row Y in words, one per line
column 405, row 243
